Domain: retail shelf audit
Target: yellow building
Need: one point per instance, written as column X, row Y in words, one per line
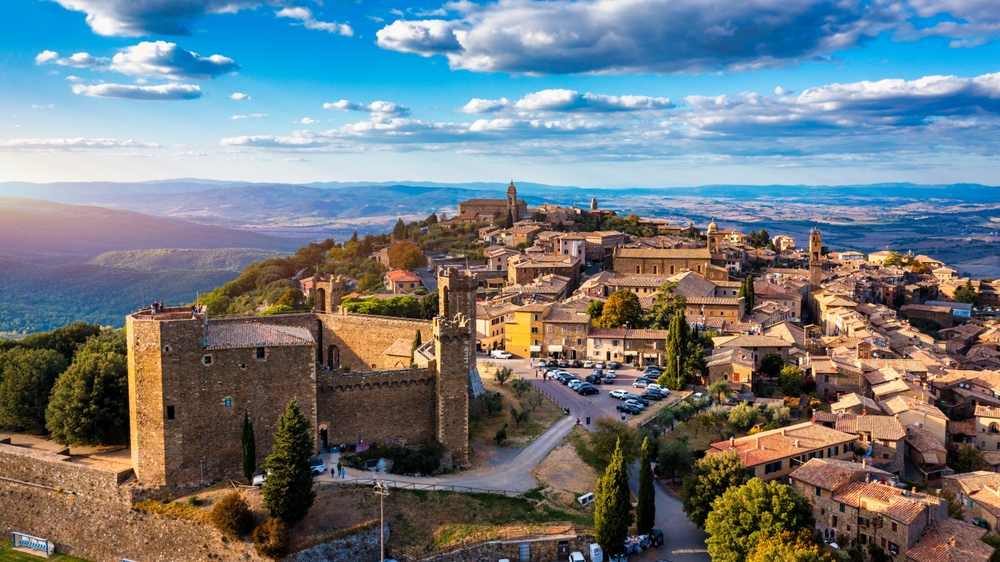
column 523, row 335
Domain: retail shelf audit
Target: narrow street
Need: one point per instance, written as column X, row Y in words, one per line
column 683, row 541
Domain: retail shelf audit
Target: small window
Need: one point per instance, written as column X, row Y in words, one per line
column 894, row 526
column 207, row 360
column 261, row 353
column 818, row 491
column 842, row 508
column 170, row 412
column 166, row 349
column 534, row 330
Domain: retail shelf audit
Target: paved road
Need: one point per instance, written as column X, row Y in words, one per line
column 513, row 475
column 683, row 541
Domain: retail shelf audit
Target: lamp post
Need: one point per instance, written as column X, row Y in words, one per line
column 382, row 491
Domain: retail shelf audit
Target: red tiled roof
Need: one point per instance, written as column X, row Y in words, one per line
column 950, row 540
column 402, row 276
column 777, row 444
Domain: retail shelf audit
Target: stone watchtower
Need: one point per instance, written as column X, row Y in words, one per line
column 512, row 202
column 593, row 205
column 713, row 237
column 454, row 362
column 457, row 295
column 815, row 259
column 327, row 291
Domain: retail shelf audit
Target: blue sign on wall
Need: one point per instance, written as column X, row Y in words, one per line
column 33, row 543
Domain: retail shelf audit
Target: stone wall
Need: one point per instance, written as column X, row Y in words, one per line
column 361, row 340
column 383, row 406
column 541, row 550
column 50, row 471
column 361, row 547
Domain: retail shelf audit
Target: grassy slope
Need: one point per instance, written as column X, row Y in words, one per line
column 38, row 297
column 229, row 259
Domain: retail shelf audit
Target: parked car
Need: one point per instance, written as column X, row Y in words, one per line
column 500, row 354
column 641, row 400
column 317, row 466
column 593, row 379
column 575, row 383
column 628, row 408
column 634, row 402
column 588, row 364
column 619, row 394
column 650, row 395
column 611, row 371
column 587, row 390
column 544, row 363
column 614, row 365
column 600, row 365
column 576, row 364
column 576, row 557
column 653, row 386
column 564, row 364
column 641, row 383
column 609, row 379
column 258, row 480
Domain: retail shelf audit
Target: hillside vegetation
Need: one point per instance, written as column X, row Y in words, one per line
column 42, row 297
column 229, row 259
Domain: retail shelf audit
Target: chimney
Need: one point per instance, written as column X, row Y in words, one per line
column 796, row 443
column 782, row 432
column 732, row 441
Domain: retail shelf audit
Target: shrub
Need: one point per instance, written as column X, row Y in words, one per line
column 271, row 539
column 232, row 517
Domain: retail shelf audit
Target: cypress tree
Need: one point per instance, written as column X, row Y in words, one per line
column 645, row 511
column 676, row 346
column 746, row 291
column 249, row 444
column 416, row 344
column 288, row 488
column 509, row 221
column 612, row 504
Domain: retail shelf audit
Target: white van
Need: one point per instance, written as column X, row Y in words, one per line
column 500, row 354
column 576, row 557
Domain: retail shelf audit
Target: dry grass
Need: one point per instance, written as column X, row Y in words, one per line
column 9, row 555
column 564, row 473
column 483, row 428
column 176, row 509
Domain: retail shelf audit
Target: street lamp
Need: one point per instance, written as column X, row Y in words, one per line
column 382, row 491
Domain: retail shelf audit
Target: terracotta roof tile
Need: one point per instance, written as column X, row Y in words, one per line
column 232, row 335
column 950, row 540
column 777, row 444
column 829, row 474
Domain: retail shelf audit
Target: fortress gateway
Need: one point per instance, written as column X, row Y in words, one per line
column 191, row 379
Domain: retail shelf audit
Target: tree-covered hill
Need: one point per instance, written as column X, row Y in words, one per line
column 230, row 259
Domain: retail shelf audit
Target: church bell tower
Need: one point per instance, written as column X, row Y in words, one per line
column 815, row 259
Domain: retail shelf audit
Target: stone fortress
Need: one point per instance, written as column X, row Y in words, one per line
column 192, row 379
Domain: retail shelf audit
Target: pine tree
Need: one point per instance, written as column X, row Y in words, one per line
column 399, row 231
column 612, row 504
column 288, row 488
column 249, row 444
column 509, row 221
column 645, row 511
column 416, row 345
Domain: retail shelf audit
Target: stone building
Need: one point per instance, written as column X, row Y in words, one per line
column 494, row 209
column 523, row 269
column 774, row 454
column 880, row 436
column 667, row 261
column 192, row 378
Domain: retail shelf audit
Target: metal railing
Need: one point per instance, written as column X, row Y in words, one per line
column 424, row 486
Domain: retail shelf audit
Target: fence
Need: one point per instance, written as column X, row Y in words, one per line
column 432, row 487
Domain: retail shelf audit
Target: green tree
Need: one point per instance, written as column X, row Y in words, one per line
column 89, row 402
column 613, row 504
column 675, row 457
column 791, row 379
column 742, row 417
column 519, row 416
column 416, row 345
column 683, row 411
column 741, row 514
column 406, row 255
column 622, row 309
column 288, row 489
column 665, row 419
column 503, row 374
column 771, row 364
column 747, row 293
column 666, row 305
column 232, row 516
column 677, row 347
column 65, row 340
column 719, row 390
column 712, row 475
column 610, row 435
column 968, row 458
column 645, row 510
column 26, row 380
column 399, row 231
column 293, row 298
column 787, row 547
column 370, row 283
column 520, row 386
column 595, row 309
column 430, row 305
column 508, row 221
column 876, row 554
column 248, row 443
column 966, row 293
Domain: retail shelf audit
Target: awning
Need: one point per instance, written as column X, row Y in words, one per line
column 930, row 458
column 555, row 349
column 535, row 348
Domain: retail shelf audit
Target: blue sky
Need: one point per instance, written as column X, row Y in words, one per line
column 591, row 93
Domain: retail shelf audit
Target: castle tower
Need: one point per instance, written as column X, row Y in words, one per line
column 815, row 259
column 593, row 205
column 327, row 292
column 512, row 201
column 457, row 295
column 452, row 337
column 713, row 237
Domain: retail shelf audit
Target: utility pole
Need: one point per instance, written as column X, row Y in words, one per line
column 382, row 491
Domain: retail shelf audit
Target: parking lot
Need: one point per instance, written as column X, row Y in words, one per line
column 595, row 405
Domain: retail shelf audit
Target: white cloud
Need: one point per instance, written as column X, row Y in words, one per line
column 72, row 144
column 48, row 106
column 296, row 160
column 567, row 101
column 779, row 91
column 46, row 56
column 668, row 36
column 381, row 109
column 74, row 79
column 307, row 121
column 479, row 105
column 161, row 59
column 163, row 92
column 305, row 15
column 78, row 60
column 250, row 116
column 135, row 18
column 238, row 96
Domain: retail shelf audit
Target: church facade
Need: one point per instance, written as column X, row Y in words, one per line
column 482, row 210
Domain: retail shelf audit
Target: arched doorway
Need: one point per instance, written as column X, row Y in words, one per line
column 324, row 436
column 333, row 357
column 319, row 301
